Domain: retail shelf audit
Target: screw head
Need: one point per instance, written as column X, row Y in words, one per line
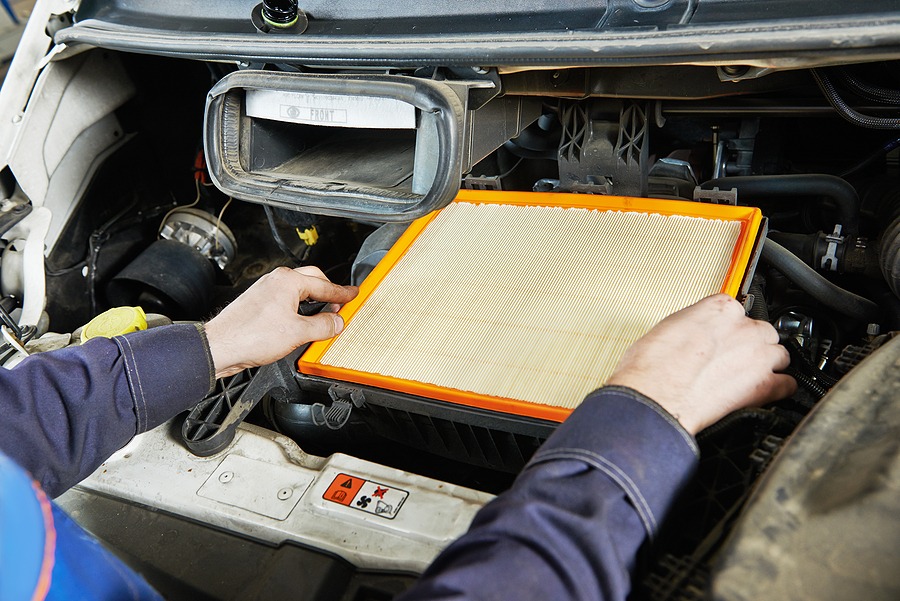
column 226, row 477
column 285, row 493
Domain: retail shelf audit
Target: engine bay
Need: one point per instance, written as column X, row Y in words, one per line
column 173, row 184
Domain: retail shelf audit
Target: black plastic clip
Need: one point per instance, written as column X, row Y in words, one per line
column 343, row 400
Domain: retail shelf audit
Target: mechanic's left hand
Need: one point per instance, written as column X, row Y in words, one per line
column 262, row 325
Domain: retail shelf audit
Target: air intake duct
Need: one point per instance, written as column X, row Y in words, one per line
column 374, row 147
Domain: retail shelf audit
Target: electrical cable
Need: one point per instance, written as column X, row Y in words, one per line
column 807, row 383
column 219, row 222
column 279, row 240
column 162, row 223
column 872, row 158
column 511, row 169
column 866, row 90
column 845, row 110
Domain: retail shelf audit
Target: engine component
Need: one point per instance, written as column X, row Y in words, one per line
column 115, row 322
column 643, row 262
column 279, row 16
column 889, row 255
column 279, row 13
column 169, row 278
column 373, row 250
column 202, row 232
column 830, row 295
column 852, row 354
column 795, row 326
column 760, row 187
column 832, row 252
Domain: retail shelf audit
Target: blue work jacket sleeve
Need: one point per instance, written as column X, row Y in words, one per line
column 64, row 412
column 572, row 523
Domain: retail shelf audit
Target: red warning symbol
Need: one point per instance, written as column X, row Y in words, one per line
column 343, row 489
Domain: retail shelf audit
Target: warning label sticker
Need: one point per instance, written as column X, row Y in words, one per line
column 365, row 495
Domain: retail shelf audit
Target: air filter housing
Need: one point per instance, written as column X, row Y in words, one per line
column 523, row 303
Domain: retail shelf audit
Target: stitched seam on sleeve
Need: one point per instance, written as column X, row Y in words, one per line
column 132, row 367
column 650, row 404
column 615, row 473
column 128, row 378
column 201, row 329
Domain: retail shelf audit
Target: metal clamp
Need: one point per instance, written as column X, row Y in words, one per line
column 830, row 260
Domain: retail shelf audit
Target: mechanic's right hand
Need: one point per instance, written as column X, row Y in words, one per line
column 262, row 324
column 706, row 361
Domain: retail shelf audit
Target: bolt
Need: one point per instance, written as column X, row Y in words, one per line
column 285, row 493
column 735, row 70
column 226, row 477
column 873, row 329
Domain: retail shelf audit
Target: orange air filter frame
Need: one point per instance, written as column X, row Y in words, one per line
column 742, row 261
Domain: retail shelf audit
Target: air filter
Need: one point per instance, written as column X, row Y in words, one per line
column 523, row 303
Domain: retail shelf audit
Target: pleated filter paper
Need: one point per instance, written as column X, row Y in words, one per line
column 508, row 307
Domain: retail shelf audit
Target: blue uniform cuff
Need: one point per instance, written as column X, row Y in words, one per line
column 634, row 441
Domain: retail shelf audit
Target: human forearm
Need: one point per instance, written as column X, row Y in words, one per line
column 572, row 523
column 63, row 413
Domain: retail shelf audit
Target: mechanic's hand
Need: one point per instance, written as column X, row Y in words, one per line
column 706, row 361
column 262, row 325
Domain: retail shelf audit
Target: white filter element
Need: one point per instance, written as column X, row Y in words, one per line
column 531, row 303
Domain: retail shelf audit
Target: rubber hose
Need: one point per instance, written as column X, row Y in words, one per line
column 810, row 281
column 766, row 186
column 846, row 111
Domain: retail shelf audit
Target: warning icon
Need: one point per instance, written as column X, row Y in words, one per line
column 383, row 508
column 364, row 495
column 343, row 489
